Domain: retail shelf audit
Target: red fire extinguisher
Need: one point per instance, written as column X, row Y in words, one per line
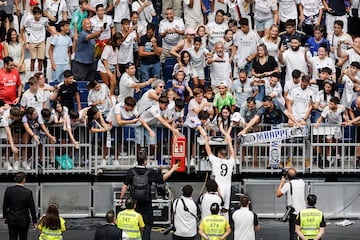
column 179, row 153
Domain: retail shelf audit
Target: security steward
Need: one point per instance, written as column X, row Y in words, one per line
column 215, row 226
column 130, row 221
column 310, row 222
column 144, row 207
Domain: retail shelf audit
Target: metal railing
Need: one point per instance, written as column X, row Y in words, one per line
column 328, row 148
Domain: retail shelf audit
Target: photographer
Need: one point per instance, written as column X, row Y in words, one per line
column 185, row 216
column 310, row 223
column 295, row 190
column 141, row 194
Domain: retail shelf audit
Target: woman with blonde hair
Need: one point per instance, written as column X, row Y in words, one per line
column 271, row 40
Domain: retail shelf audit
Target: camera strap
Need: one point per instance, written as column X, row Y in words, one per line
column 291, row 193
column 186, row 209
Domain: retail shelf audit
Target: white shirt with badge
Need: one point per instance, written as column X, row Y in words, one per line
column 36, row 30
column 301, row 99
column 216, row 32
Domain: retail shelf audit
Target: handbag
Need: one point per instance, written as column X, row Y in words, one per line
column 52, row 23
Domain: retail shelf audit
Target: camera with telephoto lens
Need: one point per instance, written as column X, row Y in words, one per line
column 289, row 209
column 284, row 172
column 169, row 229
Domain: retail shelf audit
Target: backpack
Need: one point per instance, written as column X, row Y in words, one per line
column 140, row 187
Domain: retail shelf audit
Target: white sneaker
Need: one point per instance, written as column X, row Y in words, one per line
column 25, row 165
column 192, row 162
column 103, row 162
column 8, row 166
column 116, row 163
column 16, row 165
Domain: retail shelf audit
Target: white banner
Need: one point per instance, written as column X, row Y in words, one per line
column 273, row 135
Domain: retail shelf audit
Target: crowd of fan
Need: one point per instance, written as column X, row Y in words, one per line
column 273, row 74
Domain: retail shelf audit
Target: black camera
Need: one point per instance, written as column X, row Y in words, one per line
column 284, row 172
column 289, row 210
column 169, row 229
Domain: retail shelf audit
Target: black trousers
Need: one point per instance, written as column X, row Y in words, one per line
column 182, row 238
column 16, row 231
column 146, row 210
column 293, row 235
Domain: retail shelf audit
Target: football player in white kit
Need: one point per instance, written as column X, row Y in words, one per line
column 222, row 169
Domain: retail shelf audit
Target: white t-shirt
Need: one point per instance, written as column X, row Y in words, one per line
column 220, row 71
column 311, row 7
column 97, row 24
column 317, row 63
column 301, row 100
column 288, row 9
column 110, row 55
column 272, row 47
column 277, row 90
column 125, row 89
column 126, row 53
column 353, row 56
column 333, row 40
column 145, row 15
column 333, row 117
column 216, row 33
column 150, row 115
column 244, row 224
column 119, row 109
column 206, row 200
column 52, row 7
column 295, row 60
column 93, row 3
column 184, row 221
column 35, row 29
column 5, row 119
column 323, row 101
column 121, row 10
column 246, row 45
column 198, row 58
column 222, row 169
column 348, row 94
column 102, row 94
column 34, row 100
column 171, row 39
column 192, row 119
column 297, row 199
column 290, row 85
column 264, row 9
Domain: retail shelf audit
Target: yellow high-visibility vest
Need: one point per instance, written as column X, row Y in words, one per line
column 310, row 220
column 130, row 222
column 214, row 226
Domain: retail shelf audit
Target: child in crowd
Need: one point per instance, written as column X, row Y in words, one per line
column 61, row 116
column 203, row 33
column 180, row 86
column 186, row 66
column 68, row 91
column 198, row 56
column 333, row 113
